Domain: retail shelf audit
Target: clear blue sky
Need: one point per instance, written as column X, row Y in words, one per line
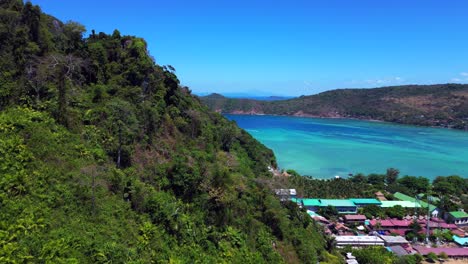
column 290, row 47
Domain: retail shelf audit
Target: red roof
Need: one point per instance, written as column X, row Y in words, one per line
column 401, row 232
column 441, row 225
column 383, row 223
column 355, row 217
column 390, row 223
column 401, row 223
column 459, row 232
column 451, row 252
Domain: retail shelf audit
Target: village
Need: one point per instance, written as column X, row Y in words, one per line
column 417, row 227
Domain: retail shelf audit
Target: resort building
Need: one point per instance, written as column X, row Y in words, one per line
column 394, row 241
column 389, row 224
column 460, row 218
column 454, row 253
column 461, row 241
column 398, row 250
column 354, row 219
column 432, row 208
column 286, row 194
column 404, row 204
column 361, row 202
column 380, row 196
column 342, row 206
column 358, row 241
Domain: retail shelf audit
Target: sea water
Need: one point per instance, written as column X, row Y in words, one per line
column 324, row 148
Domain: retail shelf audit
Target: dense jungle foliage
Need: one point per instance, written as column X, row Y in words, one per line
column 441, row 105
column 106, row 158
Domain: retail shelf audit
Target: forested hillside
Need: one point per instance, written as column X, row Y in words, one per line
column 444, row 105
column 106, row 158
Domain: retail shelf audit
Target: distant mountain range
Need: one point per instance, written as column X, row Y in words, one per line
column 248, row 96
column 441, row 105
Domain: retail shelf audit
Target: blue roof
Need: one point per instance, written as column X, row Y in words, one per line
column 365, row 201
column 462, row 241
column 337, row 202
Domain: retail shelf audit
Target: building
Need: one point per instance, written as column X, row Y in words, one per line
column 343, row 206
column 454, row 253
column 355, row 219
column 309, row 204
column 394, row 241
column 461, row 241
column 404, row 204
column 460, row 218
column 361, row 202
column 358, row 241
column 380, row 196
column 389, row 224
column 286, row 194
column 432, row 208
column 398, row 250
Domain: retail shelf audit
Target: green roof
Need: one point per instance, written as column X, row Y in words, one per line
column 365, row 201
column 405, row 204
column 337, row 202
column 459, row 214
column 404, row 197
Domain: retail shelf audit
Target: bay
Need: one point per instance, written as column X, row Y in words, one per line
column 324, row 148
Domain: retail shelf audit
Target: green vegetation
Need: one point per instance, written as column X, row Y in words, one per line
column 362, row 186
column 105, row 158
column 444, row 105
column 374, row 255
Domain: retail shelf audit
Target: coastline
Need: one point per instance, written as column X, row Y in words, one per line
column 304, row 115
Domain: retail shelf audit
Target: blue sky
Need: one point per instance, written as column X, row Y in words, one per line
column 290, row 47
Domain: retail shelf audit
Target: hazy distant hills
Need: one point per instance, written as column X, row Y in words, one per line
column 444, row 105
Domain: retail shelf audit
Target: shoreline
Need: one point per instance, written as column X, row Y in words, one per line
column 302, row 115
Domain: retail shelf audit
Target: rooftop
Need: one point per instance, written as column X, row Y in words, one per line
column 337, row 202
column 451, row 252
column 394, row 239
column 404, row 204
column 462, row 241
column 355, row 217
column 398, row 250
column 307, row 202
column 358, row 239
column 365, row 201
column 390, row 223
column 404, row 197
column 459, row 214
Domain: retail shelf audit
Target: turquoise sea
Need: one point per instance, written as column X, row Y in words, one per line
column 323, row 148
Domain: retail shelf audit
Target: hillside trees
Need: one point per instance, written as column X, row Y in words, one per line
column 106, row 158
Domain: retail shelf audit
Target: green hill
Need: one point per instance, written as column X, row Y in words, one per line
column 106, row 158
column 444, row 105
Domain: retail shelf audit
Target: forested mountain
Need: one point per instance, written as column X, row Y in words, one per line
column 444, row 105
column 106, row 158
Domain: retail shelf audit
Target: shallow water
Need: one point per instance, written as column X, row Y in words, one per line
column 324, row 148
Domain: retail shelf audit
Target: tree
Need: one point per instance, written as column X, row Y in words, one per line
column 391, row 176
column 415, row 184
column 443, row 255
column 396, row 212
column 372, row 211
column 65, row 70
column 122, row 124
column 329, row 212
column 374, row 255
column 431, row 257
